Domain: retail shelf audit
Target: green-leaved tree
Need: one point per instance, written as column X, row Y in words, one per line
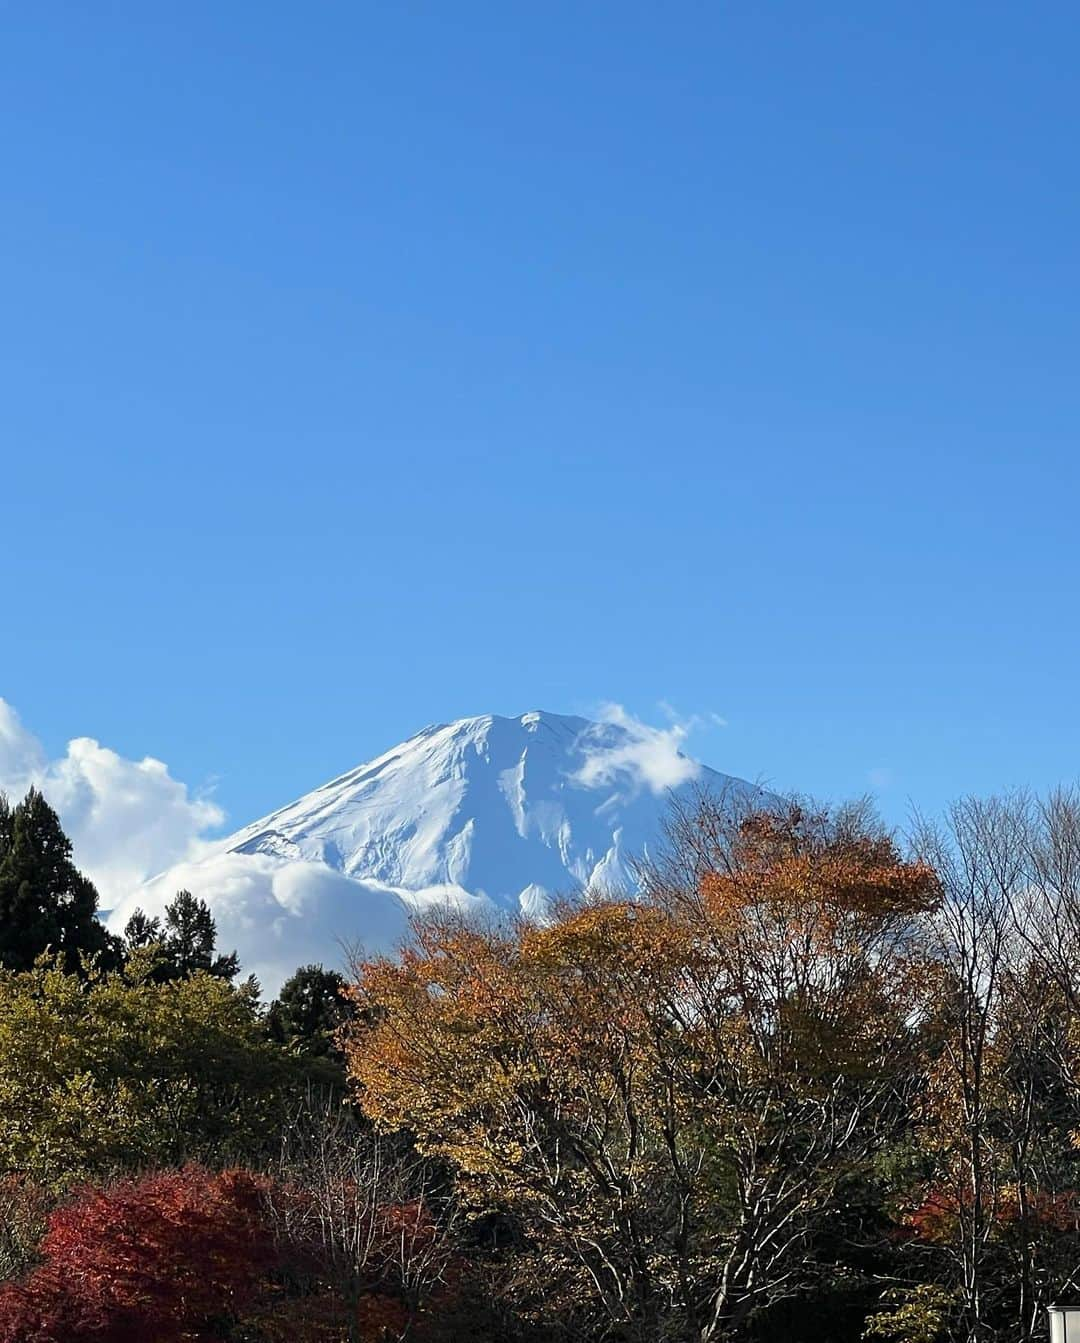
column 118, row 1072
column 309, row 1011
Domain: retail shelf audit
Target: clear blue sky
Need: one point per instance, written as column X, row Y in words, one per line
column 367, row 365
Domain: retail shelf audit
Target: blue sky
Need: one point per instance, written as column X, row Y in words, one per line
column 365, row 366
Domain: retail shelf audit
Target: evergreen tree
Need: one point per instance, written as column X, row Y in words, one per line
column 45, row 901
column 308, row 1012
column 186, row 941
column 190, row 938
column 141, row 931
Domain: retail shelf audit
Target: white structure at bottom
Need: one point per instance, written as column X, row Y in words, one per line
column 1064, row 1325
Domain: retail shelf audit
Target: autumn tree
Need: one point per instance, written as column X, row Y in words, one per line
column 994, row 1219
column 313, row 1254
column 166, row 1257
column 979, row 860
column 372, row 1215
column 667, row 1093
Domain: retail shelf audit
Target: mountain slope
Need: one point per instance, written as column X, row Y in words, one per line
column 485, row 812
column 504, row 808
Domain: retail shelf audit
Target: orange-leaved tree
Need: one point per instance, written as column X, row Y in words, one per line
column 666, row 1092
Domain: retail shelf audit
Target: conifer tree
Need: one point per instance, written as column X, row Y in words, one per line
column 187, row 940
column 140, row 931
column 45, row 901
column 309, row 1010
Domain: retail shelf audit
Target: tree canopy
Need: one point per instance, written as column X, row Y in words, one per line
column 309, row 1011
column 669, row 1092
column 121, row 1071
column 806, row 1084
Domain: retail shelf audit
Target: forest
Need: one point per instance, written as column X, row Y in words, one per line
column 815, row 1081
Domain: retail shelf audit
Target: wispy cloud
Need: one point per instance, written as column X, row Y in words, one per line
column 651, row 757
column 692, row 721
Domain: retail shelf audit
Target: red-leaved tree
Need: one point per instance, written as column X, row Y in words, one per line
column 208, row 1257
column 168, row 1257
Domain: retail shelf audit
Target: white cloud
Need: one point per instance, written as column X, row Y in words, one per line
column 278, row 915
column 141, row 835
column 695, row 720
column 127, row 819
column 22, row 757
column 649, row 756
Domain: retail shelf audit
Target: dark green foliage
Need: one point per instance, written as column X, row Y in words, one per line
column 141, row 931
column 186, row 943
column 45, row 902
column 309, row 1011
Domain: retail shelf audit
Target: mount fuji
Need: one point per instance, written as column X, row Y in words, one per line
column 482, row 814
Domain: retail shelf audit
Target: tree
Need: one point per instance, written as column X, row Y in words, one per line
column 670, row 1094
column 24, row 1207
column 367, row 1209
column 45, row 902
column 191, row 1254
column 309, row 1011
column 980, row 863
column 169, row 1257
column 992, row 1220
column 121, row 1072
column 185, row 944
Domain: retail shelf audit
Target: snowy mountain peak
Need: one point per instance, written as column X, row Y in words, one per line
column 488, row 812
column 508, row 809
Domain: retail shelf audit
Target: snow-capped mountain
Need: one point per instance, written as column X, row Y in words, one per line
column 486, row 812
column 510, row 809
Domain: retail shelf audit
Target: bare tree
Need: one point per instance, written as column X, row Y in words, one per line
column 368, row 1206
column 979, row 857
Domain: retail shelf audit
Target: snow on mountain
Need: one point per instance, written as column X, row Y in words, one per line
column 484, row 813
